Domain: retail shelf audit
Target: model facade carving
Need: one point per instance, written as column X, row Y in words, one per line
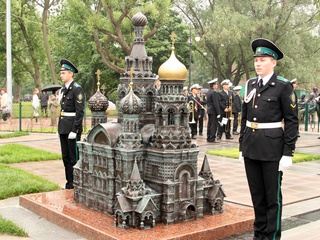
column 142, row 169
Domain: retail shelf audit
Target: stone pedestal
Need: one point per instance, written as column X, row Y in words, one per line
column 60, row 208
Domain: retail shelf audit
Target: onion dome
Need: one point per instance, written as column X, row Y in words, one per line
column 172, row 69
column 98, row 102
column 130, row 104
column 139, row 20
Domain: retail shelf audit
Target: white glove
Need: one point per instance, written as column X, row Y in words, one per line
column 72, row 135
column 218, row 116
column 241, row 159
column 285, row 162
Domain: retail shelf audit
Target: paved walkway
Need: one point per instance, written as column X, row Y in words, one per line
column 301, row 191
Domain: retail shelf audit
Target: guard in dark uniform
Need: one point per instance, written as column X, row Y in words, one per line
column 225, row 103
column 213, row 111
column 236, row 109
column 267, row 144
column 195, row 112
column 203, row 103
column 72, row 100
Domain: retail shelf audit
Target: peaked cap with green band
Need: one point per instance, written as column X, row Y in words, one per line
column 265, row 48
column 67, row 65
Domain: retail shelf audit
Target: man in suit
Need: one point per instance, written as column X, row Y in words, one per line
column 203, row 103
column 265, row 146
column 236, row 109
column 72, row 100
column 213, row 111
column 225, row 103
column 195, row 113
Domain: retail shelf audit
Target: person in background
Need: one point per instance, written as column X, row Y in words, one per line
column 44, row 97
column 203, row 103
column 5, row 104
column 35, row 103
column 72, row 100
column 213, row 111
column 185, row 91
column 265, row 147
column 225, row 103
column 53, row 103
column 194, row 100
column 236, row 109
column 157, row 85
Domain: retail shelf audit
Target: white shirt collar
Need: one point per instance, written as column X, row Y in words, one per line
column 67, row 85
column 266, row 78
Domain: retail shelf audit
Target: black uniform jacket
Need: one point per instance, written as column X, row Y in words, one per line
column 236, row 106
column 197, row 108
column 273, row 102
column 213, row 102
column 72, row 101
column 225, row 101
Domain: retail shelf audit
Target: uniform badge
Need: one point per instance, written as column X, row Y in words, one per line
column 293, row 100
column 79, row 98
column 259, row 50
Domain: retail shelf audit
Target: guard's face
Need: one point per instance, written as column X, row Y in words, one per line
column 66, row 76
column 226, row 87
column 264, row 65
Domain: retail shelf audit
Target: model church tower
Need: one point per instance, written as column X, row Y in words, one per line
column 142, row 169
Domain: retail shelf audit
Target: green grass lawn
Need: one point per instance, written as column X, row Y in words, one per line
column 13, row 134
column 9, row 228
column 15, row 182
column 234, row 153
column 15, row 153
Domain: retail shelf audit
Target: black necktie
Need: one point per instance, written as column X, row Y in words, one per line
column 260, row 83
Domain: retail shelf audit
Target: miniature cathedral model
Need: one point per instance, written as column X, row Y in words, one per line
column 142, row 169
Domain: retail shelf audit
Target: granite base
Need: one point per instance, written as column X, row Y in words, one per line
column 60, row 208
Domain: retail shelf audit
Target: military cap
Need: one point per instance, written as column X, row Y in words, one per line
column 225, row 82
column 185, row 88
column 213, row 81
column 197, row 86
column 237, row 88
column 67, row 65
column 293, row 80
column 265, row 48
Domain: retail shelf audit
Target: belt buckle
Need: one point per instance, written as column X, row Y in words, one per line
column 254, row 125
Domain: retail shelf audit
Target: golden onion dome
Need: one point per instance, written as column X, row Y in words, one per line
column 172, row 69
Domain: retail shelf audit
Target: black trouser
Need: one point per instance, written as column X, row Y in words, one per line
column 44, row 110
column 264, row 181
column 235, row 122
column 225, row 128
column 212, row 127
column 193, row 127
column 200, row 120
column 70, row 157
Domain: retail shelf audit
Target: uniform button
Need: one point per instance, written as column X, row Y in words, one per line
column 259, row 95
column 253, row 130
column 255, row 106
column 254, row 119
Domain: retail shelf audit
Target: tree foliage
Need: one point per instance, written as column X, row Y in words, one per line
column 98, row 34
column 227, row 28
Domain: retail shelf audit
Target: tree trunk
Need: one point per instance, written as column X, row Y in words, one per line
column 46, row 41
